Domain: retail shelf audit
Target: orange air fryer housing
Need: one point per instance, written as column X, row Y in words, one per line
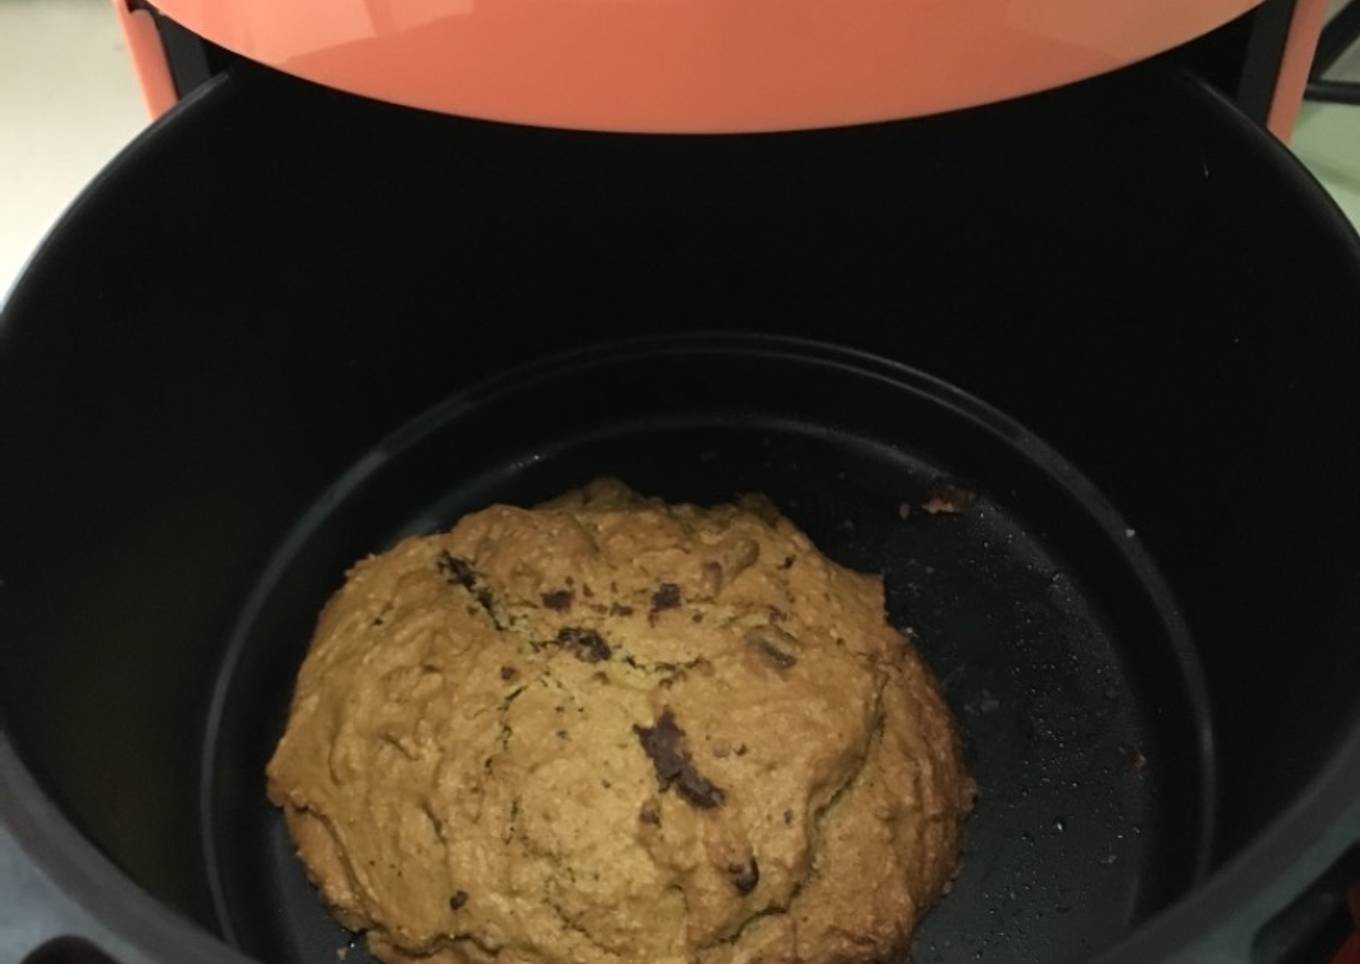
column 700, row 65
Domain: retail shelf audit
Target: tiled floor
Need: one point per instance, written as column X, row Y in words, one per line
column 68, row 102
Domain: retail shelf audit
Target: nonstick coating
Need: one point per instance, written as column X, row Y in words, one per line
column 1057, row 644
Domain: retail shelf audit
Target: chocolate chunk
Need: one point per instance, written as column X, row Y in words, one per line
column 741, row 750
column 649, row 814
column 586, row 644
column 699, row 791
column 744, row 876
column 559, row 599
column 458, row 899
column 457, row 571
column 774, row 645
column 618, row 609
column 667, row 596
column 776, row 655
column 664, row 742
column 948, row 498
column 508, row 673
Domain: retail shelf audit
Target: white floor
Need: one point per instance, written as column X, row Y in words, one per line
column 69, row 101
column 1327, row 137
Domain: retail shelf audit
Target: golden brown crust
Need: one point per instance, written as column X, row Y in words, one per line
column 612, row 730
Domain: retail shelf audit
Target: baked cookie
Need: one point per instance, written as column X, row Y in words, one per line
column 609, row 729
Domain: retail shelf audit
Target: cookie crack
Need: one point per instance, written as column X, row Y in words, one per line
column 577, row 927
column 449, row 942
column 773, row 910
column 660, row 667
column 819, row 819
column 819, row 816
column 506, row 730
column 457, row 571
column 359, row 885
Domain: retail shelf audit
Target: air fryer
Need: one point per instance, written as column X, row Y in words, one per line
column 290, row 324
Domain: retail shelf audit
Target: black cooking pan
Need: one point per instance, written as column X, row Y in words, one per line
column 288, row 327
column 1062, row 650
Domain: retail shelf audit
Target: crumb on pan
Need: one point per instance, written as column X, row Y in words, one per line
column 948, row 498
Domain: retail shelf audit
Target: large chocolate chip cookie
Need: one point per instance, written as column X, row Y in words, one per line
column 612, row 730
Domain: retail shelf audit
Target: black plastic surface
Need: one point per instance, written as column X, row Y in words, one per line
column 278, row 276
column 68, row 950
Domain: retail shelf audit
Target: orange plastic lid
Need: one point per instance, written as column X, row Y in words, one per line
column 697, row 65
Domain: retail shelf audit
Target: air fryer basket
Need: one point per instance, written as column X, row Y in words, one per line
column 1145, row 626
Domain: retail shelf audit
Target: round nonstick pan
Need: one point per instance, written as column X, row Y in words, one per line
column 1059, row 647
